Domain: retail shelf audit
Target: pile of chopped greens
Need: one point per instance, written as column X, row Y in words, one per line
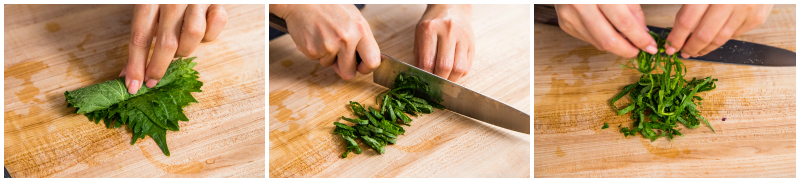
column 662, row 100
column 149, row 112
column 377, row 128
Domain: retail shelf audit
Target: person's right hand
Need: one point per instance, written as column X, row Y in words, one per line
column 596, row 24
column 712, row 25
column 332, row 34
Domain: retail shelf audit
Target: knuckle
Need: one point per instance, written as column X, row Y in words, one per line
column 373, row 64
column 691, row 50
column 445, row 66
column 625, row 23
column 196, row 30
column 312, row 52
column 426, row 25
column 346, row 36
column 218, row 17
column 426, row 64
column 608, row 43
column 720, row 40
column 140, row 40
column 448, row 22
column 362, row 27
column 330, row 46
column 683, row 22
column 459, row 70
column 169, row 43
column 705, row 36
column 326, row 62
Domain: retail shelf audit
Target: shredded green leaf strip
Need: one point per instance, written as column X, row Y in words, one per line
column 380, row 127
column 662, row 97
column 150, row 112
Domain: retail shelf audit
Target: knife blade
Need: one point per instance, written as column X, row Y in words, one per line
column 455, row 97
column 744, row 53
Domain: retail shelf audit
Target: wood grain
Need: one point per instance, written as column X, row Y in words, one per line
column 305, row 99
column 53, row 48
column 574, row 83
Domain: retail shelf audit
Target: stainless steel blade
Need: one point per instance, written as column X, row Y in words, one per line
column 744, row 53
column 457, row 98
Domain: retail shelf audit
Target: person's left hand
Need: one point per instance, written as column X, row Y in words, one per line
column 178, row 30
column 711, row 26
column 444, row 43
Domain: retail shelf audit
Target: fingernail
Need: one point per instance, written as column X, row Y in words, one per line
column 134, row 87
column 651, row 49
column 670, row 50
column 696, row 55
column 122, row 73
column 151, row 83
column 684, row 55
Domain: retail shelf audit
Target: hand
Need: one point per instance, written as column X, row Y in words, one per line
column 444, row 43
column 332, row 34
column 711, row 26
column 178, row 30
column 596, row 24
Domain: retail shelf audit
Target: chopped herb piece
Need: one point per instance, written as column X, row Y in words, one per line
column 662, row 98
column 379, row 127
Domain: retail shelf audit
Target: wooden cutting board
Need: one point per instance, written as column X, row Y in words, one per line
column 306, row 98
column 50, row 49
column 574, row 83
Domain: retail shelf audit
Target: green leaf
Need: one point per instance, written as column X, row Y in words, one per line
column 150, row 112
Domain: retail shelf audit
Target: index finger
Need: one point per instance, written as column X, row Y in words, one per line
column 605, row 35
column 626, row 23
column 142, row 29
column 370, row 54
column 685, row 22
column 169, row 28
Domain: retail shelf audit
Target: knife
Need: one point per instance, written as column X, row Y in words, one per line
column 732, row 52
column 744, row 53
column 455, row 97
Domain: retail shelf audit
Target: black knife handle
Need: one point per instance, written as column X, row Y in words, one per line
column 280, row 24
